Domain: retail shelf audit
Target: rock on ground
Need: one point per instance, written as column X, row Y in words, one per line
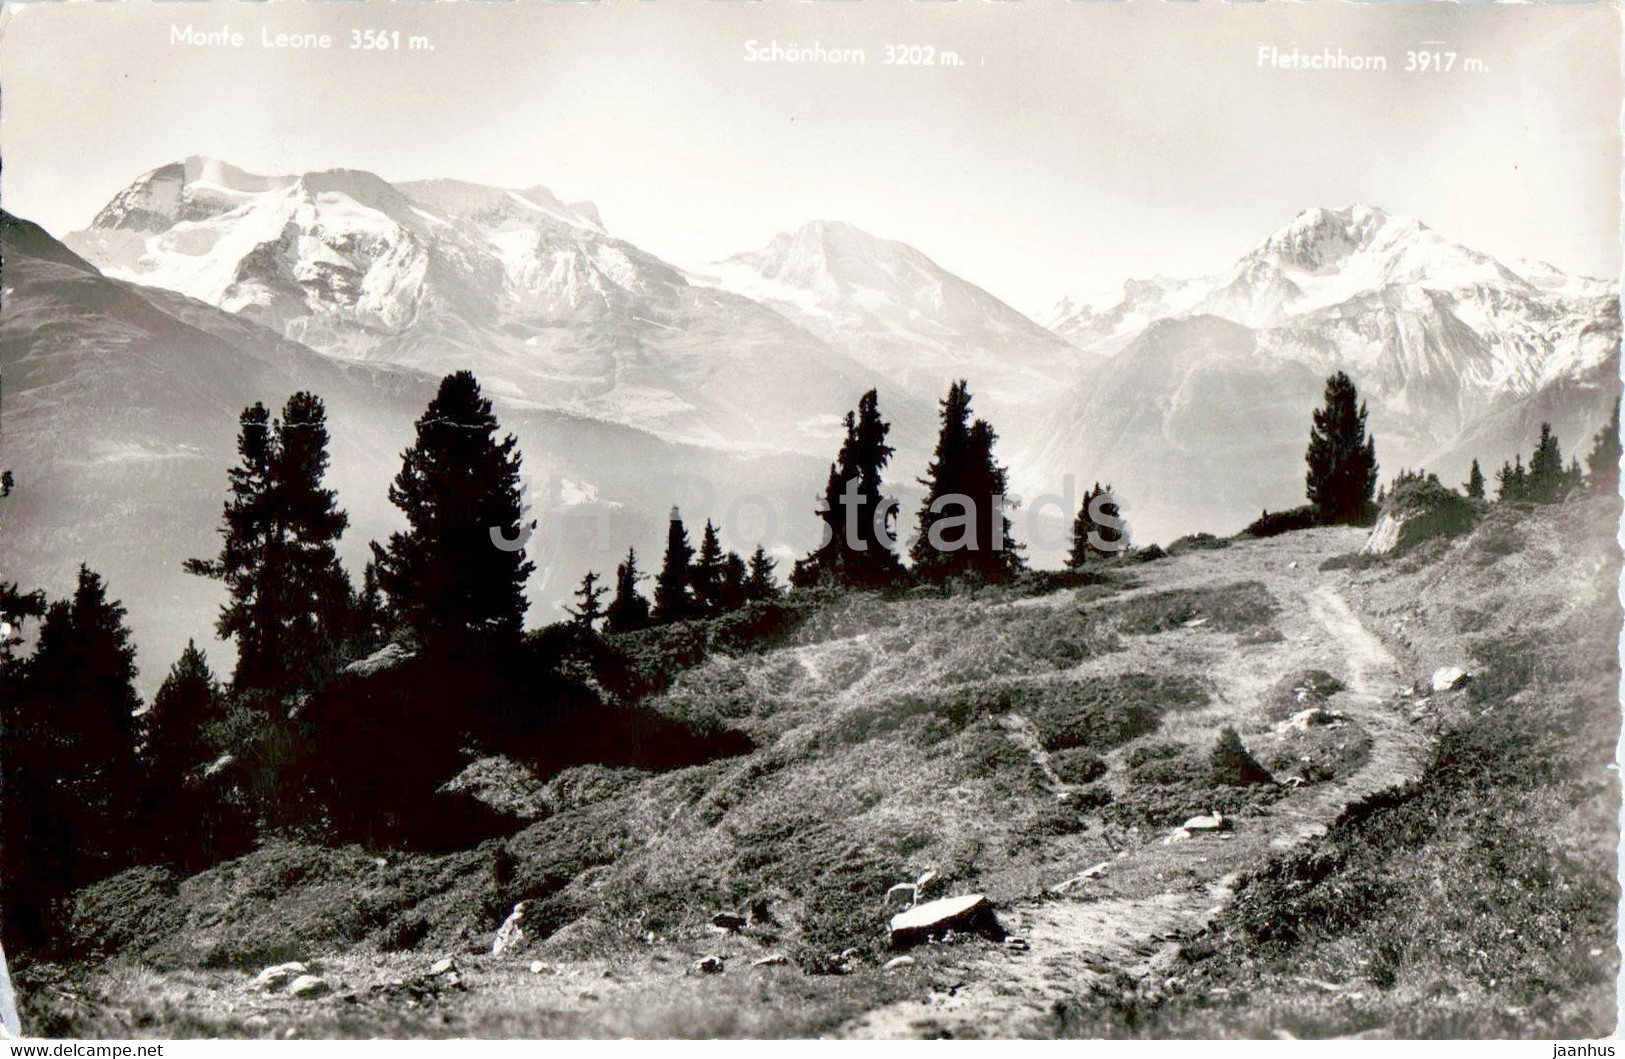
column 969, row 913
column 280, row 975
column 1449, row 678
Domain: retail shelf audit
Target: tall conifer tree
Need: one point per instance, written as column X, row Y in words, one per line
column 1603, row 462
column 628, row 611
column 288, row 600
column 1475, row 483
column 1342, row 461
column 459, row 486
column 963, row 527
column 705, row 577
column 673, row 600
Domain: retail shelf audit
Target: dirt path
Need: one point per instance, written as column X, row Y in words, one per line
column 1165, row 893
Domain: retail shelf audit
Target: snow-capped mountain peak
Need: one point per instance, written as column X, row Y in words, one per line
column 899, row 312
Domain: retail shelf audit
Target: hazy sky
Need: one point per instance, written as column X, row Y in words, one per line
column 1078, row 144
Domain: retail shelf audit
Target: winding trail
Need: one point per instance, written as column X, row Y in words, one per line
column 1155, row 896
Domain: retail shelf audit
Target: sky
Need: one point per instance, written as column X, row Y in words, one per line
column 1075, row 145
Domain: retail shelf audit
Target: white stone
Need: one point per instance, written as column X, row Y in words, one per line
column 1448, row 678
column 280, row 975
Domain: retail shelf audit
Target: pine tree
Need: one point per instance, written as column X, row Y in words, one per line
column 705, row 576
column 313, row 600
column 1520, row 479
column 288, row 602
column 1546, row 471
column 963, row 527
column 1574, row 477
column 187, row 703
column 1475, row 483
column 734, row 592
column 857, row 553
column 73, row 775
column 446, row 577
column 1603, row 462
column 1094, row 540
column 1342, row 461
column 628, row 611
column 761, row 584
column 177, row 816
column 248, row 553
column 589, row 610
column 944, row 477
column 673, row 600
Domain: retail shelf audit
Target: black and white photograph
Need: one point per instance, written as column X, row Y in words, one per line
column 891, row 520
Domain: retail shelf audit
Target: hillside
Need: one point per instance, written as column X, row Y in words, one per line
column 1019, row 742
column 121, row 406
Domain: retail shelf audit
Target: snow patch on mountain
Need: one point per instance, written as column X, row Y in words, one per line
column 897, row 311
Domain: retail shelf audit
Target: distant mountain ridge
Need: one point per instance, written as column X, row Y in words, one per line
column 759, row 354
column 1450, row 347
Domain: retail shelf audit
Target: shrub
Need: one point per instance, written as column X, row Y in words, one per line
column 1105, row 712
column 1274, row 524
column 1153, row 752
column 1078, row 765
column 1226, row 608
column 1196, row 542
column 1300, row 691
column 1348, row 561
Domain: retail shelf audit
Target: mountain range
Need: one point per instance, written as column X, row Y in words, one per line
column 129, row 348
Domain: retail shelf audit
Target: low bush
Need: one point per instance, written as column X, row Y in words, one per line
column 1078, row 765
column 1273, row 524
column 1197, row 542
column 1235, row 607
column 1300, row 691
column 1105, row 712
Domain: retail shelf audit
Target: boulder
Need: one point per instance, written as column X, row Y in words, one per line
column 1303, row 720
column 276, row 977
column 1213, row 821
column 925, row 883
column 511, row 935
column 447, row 965
column 777, row 959
column 708, row 965
column 309, row 986
column 1449, row 678
column 898, row 961
column 1418, row 511
column 1014, row 944
column 728, row 921
column 968, row 913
